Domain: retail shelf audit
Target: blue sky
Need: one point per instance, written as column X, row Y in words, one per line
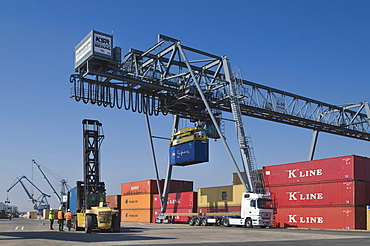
column 317, row 49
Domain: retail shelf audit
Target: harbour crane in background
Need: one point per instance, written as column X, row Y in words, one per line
column 39, row 204
column 65, row 188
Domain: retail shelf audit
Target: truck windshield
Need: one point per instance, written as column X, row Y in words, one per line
column 264, row 203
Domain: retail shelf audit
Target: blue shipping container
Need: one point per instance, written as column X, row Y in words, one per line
column 73, row 200
column 189, row 153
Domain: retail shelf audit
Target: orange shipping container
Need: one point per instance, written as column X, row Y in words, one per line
column 141, row 201
column 136, row 215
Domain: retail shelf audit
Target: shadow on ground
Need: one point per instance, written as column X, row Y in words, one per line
column 126, row 234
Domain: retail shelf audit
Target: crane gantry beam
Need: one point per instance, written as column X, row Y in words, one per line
column 159, row 80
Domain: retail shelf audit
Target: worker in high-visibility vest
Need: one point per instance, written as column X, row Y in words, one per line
column 10, row 216
column 60, row 219
column 51, row 218
column 68, row 218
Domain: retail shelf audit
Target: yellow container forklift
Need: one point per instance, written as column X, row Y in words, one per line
column 87, row 201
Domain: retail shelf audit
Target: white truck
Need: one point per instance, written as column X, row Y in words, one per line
column 256, row 210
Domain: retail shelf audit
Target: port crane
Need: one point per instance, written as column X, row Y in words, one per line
column 62, row 198
column 171, row 78
column 39, row 204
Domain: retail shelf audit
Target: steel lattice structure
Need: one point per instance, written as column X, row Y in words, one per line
column 173, row 78
column 158, row 80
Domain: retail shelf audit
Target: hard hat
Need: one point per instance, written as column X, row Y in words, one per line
column 51, row 209
column 68, row 210
column 60, row 208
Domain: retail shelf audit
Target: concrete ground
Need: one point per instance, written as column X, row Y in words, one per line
column 36, row 232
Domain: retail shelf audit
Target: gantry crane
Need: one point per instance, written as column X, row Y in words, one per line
column 39, row 204
column 62, row 198
column 170, row 77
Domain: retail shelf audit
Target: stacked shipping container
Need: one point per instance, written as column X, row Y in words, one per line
column 140, row 200
column 114, row 202
column 221, row 199
column 179, row 202
column 328, row 193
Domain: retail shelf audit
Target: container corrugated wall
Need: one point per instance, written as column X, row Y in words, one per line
column 141, row 201
column 220, row 196
column 150, row 187
column 343, row 193
column 136, row 215
column 113, row 201
column 322, row 217
column 324, row 170
column 328, row 193
column 177, row 200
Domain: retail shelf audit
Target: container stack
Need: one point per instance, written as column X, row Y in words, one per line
column 327, row 193
column 179, row 202
column 137, row 198
column 220, row 199
column 114, row 202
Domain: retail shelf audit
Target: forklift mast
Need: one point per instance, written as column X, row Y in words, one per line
column 91, row 191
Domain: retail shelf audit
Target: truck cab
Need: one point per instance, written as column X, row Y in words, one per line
column 257, row 210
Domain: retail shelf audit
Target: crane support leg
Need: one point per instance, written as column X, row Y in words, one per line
column 164, row 196
column 154, row 157
column 315, row 135
column 204, row 99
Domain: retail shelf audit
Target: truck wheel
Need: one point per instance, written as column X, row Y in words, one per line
column 88, row 224
column 225, row 222
column 116, row 225
column 204, row 222
column 197, row 221
column 248, row 223
column 191, row 221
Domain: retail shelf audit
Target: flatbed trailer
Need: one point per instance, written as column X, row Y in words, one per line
column 256, row 210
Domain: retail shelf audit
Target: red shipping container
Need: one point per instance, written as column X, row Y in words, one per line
column 177, row 200
column 325, row 170
column 219, row 209
column 322, row 218
column 113, row 201
column 177, row 218
column 343, row 193
column 150, row 187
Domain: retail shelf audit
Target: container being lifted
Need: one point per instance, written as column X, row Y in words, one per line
column 188, row 147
